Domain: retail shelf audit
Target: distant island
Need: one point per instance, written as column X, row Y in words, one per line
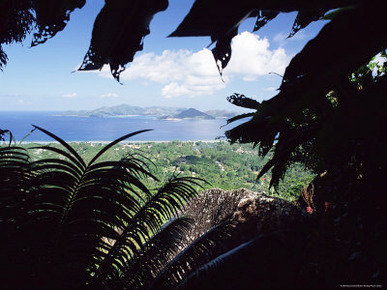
column 162, row 113
column 191, row 113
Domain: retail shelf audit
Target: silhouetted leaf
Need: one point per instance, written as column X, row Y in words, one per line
column 264, row 16
column 243, row 101
column 304, row 18
column 87, row 222
column 222, row 50
column 252, row 265
column 215, row 242
column 52, row 17
column 64, row 143
column 118, row 33
column 334, row 59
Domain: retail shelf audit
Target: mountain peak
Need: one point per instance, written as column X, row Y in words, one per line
column 194, row 114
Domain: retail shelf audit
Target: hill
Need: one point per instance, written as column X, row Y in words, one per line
column 161, row 112
column 192, row 113
column 125, row 110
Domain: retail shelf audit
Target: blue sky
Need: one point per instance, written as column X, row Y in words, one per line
column 178, row 72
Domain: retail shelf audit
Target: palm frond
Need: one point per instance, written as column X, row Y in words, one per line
column 252, row 265
column 146, row 222
column 63, row 143
column 59, row 214
column 6, row 132
column 157, row 252
column 111, row 144
column 210, row 245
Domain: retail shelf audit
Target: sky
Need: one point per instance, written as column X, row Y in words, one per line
column 170, row 71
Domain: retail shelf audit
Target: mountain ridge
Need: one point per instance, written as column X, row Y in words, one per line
column 157, row 111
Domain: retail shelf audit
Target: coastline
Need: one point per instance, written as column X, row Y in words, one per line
column 125, row 142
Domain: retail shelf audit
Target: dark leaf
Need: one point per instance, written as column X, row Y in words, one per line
column 264, row 16
column 64, row 143
column 222, row 50
column 304, row 18
column 329, row 61
column 215, row 242
column 243, row 101
column 52, row 17
column 118, row 33
column 157, row 252
column 111, row 144
column 252, row 265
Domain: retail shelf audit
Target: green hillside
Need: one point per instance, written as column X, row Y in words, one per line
column 221, row 164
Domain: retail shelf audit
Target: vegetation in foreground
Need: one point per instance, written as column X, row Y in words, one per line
column 68, row 223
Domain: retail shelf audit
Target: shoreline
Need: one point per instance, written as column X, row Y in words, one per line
column 124, row 142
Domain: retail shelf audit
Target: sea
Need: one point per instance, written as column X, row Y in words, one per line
column 74, row 128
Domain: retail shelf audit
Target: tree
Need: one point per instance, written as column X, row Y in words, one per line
column 70, row 225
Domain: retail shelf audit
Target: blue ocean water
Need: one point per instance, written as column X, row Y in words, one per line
column 72, row 128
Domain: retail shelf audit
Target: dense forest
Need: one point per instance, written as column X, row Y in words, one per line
column 221, row 164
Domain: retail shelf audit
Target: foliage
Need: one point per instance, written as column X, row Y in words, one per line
column 117, row 35
column 300, row 132
column 121, row 26
column 70, row 224
column 46, row 18
column 3, row 133
column 221, row 164
column 266, row 262
column 327, row 115
column 16, row 20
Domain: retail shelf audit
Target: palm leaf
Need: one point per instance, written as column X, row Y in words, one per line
column 63, row 153
column 215, row 242
column 157, row 252
column 253, row 265
column 6, row 132
column 67, row 212
column 64, row 144
column 111, row 144
column 162, row 206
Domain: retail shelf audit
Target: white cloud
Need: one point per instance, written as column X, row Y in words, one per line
column 187, row 73
column 109, row 95
column 21, row 102
column 252, row 58
column 72, row 95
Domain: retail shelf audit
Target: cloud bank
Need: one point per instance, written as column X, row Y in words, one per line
column 187, row 73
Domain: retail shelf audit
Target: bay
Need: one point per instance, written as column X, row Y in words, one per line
column 72, row 128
